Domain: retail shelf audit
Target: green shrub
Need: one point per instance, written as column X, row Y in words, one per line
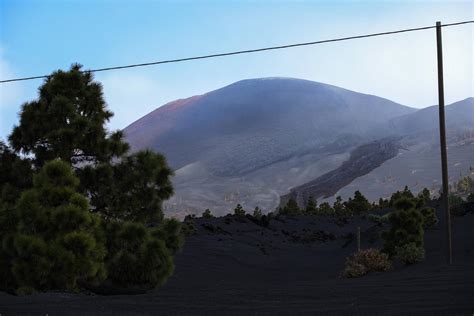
column 239, row 211
column 25, row 290
column 357, row 205
column 207, row 214
column 455, row 200
column 291, row 208
column 189, row 228
column 132, row 189
column 138, row 257
column 383, row 203
column 366, row 261
column 325, row 209
column 405, row 194
column 379, row 219
column 56, row 244
column 406, row 226
column 170, row 231
column 409, row 253
column 423, row 197
column 430, row 219
column 354, row 270
column 311, row 206
column 257, row 213
column 339, row 208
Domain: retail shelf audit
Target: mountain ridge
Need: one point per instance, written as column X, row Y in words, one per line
column 254, row 140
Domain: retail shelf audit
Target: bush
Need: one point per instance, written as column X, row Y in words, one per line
column 423, row 197
column 25, row 290
column 430, row 219
column 366, row 261
column 405, row 194
column 139, row 258
column 455, row 200
column 170, row 231
column 189, row 228
column 407, row 226
column 339, row 208
column 239, row 211
column 379, row 219
column 132, row 189
column 56, row 244
column 354, row 270
column 257, row 213
column 325, row 209
column 311, row 206
column 291, row 208
column 358, row 205
column 410, row 253
column 207, row 214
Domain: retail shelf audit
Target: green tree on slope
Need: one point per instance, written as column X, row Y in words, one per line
column 67, row 121
column 56, row 243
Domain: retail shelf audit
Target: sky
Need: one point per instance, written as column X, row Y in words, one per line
column 40, row 36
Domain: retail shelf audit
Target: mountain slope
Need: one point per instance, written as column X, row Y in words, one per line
column 362, row 161
column 417, row 163
column 459, row 116
column 258, row 139
column 253, row 123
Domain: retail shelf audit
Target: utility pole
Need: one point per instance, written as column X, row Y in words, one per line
column 442, row 137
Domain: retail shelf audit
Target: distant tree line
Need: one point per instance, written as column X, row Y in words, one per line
column 407, row 216
column 77, row 210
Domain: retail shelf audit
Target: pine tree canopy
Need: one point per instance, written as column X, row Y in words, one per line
column 67, row 121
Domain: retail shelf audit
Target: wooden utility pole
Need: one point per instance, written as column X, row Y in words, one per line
column 442, row 137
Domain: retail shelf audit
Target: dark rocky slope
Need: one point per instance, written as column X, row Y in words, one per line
column 362, row 160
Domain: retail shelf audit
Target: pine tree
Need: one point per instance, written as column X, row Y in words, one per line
column 16, row 174
column 56, row 244
column 257, row 213
column 207, row 214
column 67, row 121
column 291, row 208
column 339, row 207
column 133, row 189
column 406, row 193
column 311, row 206
column 138, row 258
column 406, row 226
column 325, row 209
column 358, row 205
column 383, row 203
column 430, row 219
column 239, row 211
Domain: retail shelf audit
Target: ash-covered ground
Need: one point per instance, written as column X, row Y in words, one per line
column 292, row 266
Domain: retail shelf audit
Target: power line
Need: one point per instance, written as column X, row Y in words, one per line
column 249, row 50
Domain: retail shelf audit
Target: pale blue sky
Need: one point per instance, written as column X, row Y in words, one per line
column 37, row 37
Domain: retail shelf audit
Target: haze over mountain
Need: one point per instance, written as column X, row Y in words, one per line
column 254, row 140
